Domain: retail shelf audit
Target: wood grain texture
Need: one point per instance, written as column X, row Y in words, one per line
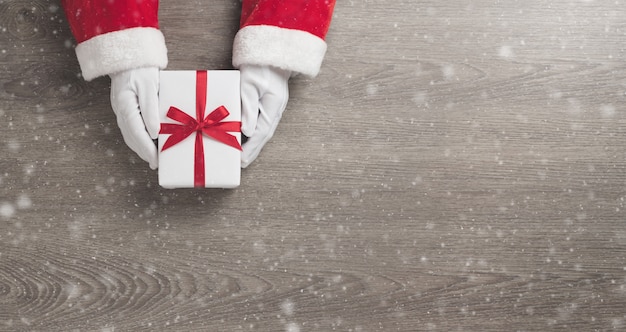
column 456, row 166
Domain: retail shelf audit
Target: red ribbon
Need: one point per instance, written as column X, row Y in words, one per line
column 211, row 126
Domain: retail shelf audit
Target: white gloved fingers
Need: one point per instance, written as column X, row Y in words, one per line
column 249, row 108
column 265, row 129
column 146, row 81
column 271, row 108
column 121, row 92
column 123, row 101
column 137, row 138
column 252, row 88
column 134, row 99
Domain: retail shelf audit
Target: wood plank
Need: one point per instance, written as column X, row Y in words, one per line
column 455, row 166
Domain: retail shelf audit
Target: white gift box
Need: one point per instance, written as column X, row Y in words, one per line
column 180, row 152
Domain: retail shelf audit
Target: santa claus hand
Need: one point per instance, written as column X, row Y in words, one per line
column 134, row 99
column 264, row 96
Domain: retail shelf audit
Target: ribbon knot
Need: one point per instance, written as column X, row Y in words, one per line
column 211, row 126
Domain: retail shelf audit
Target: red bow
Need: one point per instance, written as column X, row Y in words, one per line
column 211, row 126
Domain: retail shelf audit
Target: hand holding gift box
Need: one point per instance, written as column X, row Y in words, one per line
column 199, row 142
column 276, row 39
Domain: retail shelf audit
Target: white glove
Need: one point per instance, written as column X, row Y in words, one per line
column 264, row 96
column 135, row 101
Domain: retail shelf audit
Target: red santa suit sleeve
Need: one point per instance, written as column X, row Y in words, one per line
column 289, row 34
column 117, row 35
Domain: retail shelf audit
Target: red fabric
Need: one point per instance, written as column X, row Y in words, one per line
column 90, row 18
column 312, row 16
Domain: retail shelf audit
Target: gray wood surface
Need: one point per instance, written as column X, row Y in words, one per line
column 456, row 166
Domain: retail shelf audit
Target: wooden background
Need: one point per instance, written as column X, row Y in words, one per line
column 456, row 166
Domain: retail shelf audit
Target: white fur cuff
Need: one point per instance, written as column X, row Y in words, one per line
column 294, row 50
column 121, row 50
